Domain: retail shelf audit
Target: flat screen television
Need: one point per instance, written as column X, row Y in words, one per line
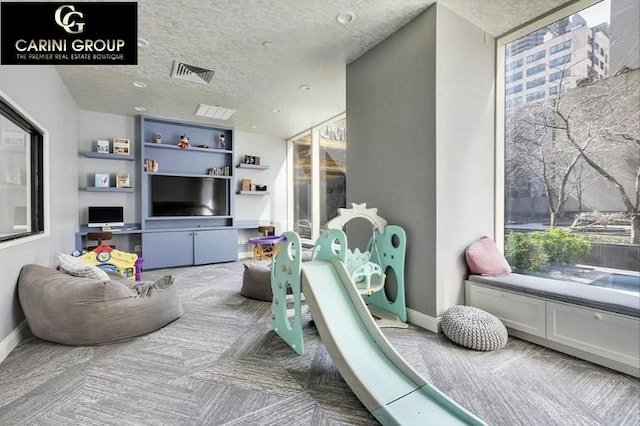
column 189, row 196
column 105, row 217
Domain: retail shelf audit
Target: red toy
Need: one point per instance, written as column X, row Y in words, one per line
column 184, row 142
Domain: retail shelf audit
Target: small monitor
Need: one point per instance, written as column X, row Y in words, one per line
column 105, row 217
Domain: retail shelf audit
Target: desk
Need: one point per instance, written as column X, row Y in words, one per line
column 128, row 229
column 266, row 246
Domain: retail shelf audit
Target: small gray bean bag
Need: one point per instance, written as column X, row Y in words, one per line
column 256, row 282
column 474, row 328
column 87, row 311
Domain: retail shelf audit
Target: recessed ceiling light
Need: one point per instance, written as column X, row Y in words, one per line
column 276, row 110
column 267, row 44
column 139, row 84
column 142, row 42
column 305, row 87
column 253, row 126
column 139, row 108
column 345, row 17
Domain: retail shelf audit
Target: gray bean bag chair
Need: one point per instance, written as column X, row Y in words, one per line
column 88, row 311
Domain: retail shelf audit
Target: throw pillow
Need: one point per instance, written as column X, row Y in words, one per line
column 484, row 258
column 79, row 268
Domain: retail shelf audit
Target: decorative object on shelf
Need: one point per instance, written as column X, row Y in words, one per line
column 122, row 180
column 251, row 159
column 184, row 142
column 202, row 145
column 219, row 171
column 223, row 141
column 157, row 138
column 150, row 166
column 102, row 146
column 261, row 187
column 121, row 146
column 102, row 180
column 246, row 184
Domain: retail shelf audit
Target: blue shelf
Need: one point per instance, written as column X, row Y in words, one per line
column 188, row 175
column 108, row 156
column 252, row 166
column 108, row 189
column 192, row 148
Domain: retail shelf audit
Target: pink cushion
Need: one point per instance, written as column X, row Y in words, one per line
column 485, row 258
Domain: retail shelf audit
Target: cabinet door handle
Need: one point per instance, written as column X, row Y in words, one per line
column 597, row 316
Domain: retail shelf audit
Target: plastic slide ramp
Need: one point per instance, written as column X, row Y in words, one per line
column 387, row 386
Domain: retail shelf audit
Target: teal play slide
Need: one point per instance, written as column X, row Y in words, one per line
column 388, row 387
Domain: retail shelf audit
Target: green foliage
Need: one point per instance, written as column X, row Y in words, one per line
column 536, row 251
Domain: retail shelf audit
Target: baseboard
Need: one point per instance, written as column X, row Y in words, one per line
column 11, row 341
column 423, row 320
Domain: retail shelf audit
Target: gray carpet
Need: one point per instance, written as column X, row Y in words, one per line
column 221, row 364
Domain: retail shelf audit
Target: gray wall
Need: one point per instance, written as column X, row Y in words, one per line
column 41, row 93
column 421, row 141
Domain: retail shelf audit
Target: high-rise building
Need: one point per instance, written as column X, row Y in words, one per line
column 561, row 56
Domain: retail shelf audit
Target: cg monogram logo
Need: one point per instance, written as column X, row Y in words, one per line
column 63, row 21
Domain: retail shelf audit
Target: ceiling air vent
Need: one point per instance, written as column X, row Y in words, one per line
column 192, row 73
column 216, row 112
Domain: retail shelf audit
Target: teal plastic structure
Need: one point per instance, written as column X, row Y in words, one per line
column 285, row 274
column 385, row 252
column 383, row 381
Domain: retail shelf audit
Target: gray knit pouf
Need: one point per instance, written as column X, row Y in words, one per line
column 474, row 328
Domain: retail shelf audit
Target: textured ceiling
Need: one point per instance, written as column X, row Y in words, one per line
column 306, row 46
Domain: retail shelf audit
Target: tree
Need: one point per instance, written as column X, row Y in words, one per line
column 593, row 127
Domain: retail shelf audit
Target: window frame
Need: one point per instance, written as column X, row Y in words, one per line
column 500, row 98
column 315, row 175
column 38, row 175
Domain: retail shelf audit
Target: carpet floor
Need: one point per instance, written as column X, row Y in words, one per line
column 220, row 364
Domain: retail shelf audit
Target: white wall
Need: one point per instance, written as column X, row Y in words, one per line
column 263, row 210
column 420, row 124
column 40, row 91
column 465, row 142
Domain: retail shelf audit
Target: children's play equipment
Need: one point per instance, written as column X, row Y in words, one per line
column 385, row 253
column 105, row 257
column 388, row 387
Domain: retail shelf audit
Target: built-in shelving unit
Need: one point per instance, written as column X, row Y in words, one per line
column 187, row 202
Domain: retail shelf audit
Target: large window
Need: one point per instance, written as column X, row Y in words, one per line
column 21, row 174
column 318, row 177
column 571, row 154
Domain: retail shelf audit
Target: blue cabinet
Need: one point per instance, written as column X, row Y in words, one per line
column 220, row 245
column 167, row 249
column 183, row 248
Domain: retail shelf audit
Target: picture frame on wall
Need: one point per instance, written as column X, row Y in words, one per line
column 102, row 180
column 121, row 146
column 102, row 146
column 123, row 180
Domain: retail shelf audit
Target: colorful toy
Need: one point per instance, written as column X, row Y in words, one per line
column 110, row 259
column 184, row 142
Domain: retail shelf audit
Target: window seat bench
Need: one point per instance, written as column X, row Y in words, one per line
column 597, row 324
